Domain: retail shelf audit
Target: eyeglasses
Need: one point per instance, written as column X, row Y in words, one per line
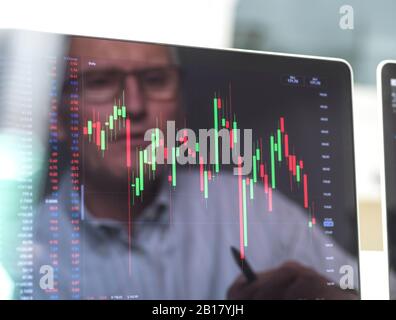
column 160, row 83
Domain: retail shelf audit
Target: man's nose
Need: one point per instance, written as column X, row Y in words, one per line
column 134, row 99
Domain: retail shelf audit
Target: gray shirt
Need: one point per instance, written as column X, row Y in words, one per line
column 180, row 245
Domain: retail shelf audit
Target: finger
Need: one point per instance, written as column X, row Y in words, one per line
column 269, row 285
column 273, row 284
column 240, row 289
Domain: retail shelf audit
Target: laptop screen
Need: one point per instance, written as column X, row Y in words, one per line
column 388, row 91
column 130, row 170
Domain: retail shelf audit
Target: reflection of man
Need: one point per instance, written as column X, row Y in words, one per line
column 149, row 79
column 180, row 243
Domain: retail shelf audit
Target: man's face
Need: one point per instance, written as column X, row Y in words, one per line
column 140, row 76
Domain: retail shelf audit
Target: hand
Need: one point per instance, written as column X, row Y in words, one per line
column 290, row 281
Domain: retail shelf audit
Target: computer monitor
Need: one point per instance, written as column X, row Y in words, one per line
column 386, row 79
column 131, row 169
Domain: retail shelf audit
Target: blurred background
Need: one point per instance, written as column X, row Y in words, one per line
column 290, row 26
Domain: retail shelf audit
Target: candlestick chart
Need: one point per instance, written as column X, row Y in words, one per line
column 102, row 129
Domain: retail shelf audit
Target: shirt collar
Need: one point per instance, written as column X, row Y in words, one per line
column 154, row 215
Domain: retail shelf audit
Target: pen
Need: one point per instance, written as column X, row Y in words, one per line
column 243, row 265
